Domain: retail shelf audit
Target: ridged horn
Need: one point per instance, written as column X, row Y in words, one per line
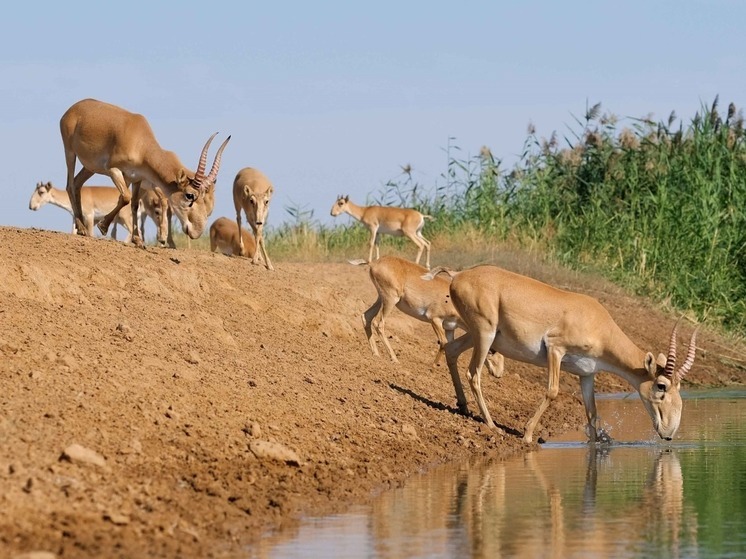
column 671, row 360
column 216, row 163
column 200, row 174
column 690, row 354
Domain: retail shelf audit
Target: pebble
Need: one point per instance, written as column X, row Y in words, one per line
column 78, row 453
column 266, row 450
column 409, row 430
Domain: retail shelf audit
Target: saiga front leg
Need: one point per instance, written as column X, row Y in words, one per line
column 589, row 401
column 443, row 338
column 137, row 238
column 263, row 248
column 170, row 237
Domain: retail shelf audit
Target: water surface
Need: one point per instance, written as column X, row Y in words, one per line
column 636, row 497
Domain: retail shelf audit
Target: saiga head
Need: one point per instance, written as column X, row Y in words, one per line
column 260, row 205
column 40, row 196
column 194, row 199
column 340, row 205
column 660, row 395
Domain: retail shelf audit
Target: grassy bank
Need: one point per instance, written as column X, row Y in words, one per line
column 658, row 207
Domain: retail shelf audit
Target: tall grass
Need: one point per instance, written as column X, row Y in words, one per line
column 657, row 206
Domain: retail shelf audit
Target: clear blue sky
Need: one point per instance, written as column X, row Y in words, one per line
column 331, row 98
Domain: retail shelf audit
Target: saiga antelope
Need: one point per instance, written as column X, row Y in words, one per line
column 399, row 284
column 96, row 202
column 224, row 237
column 384, row 220
column 154, row 204
column 112, row 141
column 530, row 321
column 252, row 193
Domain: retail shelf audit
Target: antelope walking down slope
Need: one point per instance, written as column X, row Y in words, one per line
column 399, row 284
column 224, row 237
column 252, row 193
column 530, row 321
column 384, row 220
column 96, row 202
column 112, row 141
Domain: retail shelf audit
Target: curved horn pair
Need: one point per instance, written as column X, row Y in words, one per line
column 690, row 354
column 199, row 177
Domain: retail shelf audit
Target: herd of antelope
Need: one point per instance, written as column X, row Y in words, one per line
column 501, row 314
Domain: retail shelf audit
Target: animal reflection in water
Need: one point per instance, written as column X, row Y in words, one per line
column 535, row 508
column 656, row 514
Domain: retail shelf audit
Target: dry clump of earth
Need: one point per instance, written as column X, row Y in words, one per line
column 176, row 403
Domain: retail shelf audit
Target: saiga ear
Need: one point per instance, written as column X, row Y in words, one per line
column 182, row 178
column 661, row 361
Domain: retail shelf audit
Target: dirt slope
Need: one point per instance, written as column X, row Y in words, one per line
column 170, row 368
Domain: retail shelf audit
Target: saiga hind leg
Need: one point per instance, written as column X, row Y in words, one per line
column 453, row 350
column 124, row 198
column 387, row 305
column 368, row 317
column 554, row 357
column 74, row 184
column 482, row 346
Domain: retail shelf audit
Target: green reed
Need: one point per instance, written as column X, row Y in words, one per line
column 657, row 206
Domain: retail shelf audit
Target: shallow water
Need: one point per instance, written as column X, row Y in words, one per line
column 635, row 497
